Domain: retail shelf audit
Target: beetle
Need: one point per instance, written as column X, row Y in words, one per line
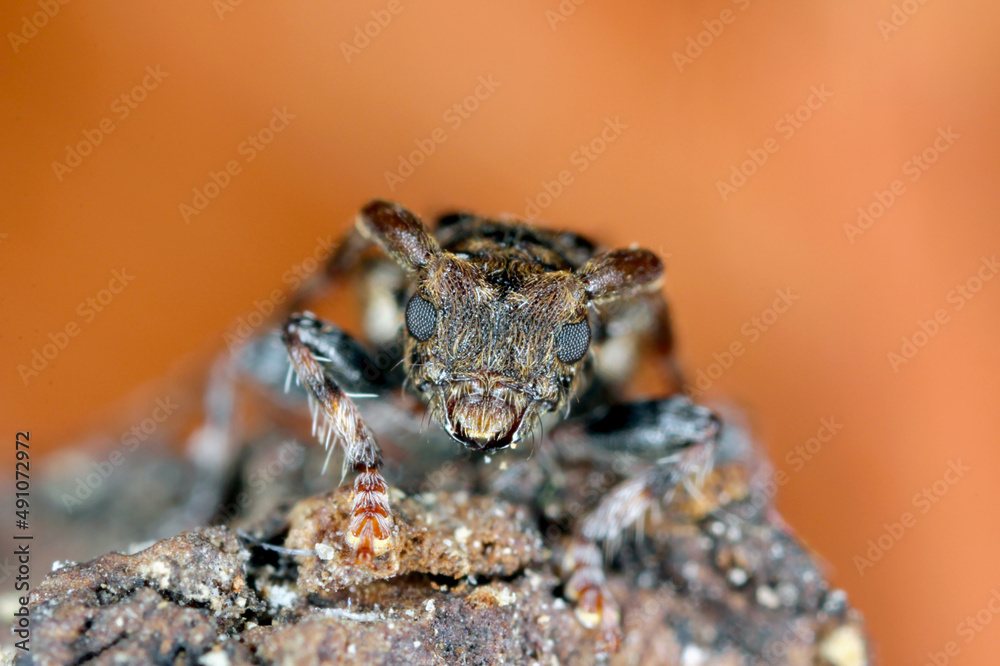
column 500, row 327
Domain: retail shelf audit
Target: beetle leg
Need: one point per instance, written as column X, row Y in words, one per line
column 370, row 530
column 587, row 587
column 655, row 445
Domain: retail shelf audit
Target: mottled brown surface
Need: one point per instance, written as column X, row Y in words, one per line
column 451, row 535
column 473, row 584
column 171, row 601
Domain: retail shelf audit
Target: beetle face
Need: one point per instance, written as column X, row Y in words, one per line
column 497, row 330
column 492, row 343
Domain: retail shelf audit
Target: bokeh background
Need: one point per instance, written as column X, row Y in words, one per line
column 690, row 88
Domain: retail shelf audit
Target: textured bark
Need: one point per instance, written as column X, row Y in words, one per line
column 473, row 582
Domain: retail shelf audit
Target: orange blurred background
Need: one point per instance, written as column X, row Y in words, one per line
column 114, row 114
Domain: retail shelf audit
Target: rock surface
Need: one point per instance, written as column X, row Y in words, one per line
column 473, row 583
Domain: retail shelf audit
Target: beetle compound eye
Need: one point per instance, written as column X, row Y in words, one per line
column 421, row 318
column 572, row 341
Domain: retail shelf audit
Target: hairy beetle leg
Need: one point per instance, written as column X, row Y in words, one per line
column 587, row 587
column 370, row 530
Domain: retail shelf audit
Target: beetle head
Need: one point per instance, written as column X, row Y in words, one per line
column 496, row 340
